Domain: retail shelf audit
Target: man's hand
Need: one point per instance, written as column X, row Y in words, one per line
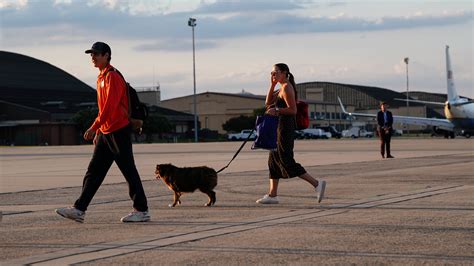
column 96, row 139
column 89, row 134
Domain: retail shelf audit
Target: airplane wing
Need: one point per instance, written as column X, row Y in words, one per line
column 424, row 102
column 412, row 120
column 434, row 122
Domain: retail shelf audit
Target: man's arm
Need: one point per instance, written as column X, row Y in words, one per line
column 390, row 120
column 114, row 90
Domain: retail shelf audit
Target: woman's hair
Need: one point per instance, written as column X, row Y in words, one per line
column 284, row 68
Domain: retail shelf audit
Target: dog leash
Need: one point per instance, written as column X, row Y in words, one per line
column 238, row 151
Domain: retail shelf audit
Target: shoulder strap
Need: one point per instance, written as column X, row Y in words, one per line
column 114, row 69
column 126, row 88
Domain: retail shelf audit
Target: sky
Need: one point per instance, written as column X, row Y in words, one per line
column 238, row 42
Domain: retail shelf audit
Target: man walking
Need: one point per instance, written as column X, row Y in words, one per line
column 385, row 121
column 111, row 136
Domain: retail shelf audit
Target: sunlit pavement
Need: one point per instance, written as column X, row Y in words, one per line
column 417, row 208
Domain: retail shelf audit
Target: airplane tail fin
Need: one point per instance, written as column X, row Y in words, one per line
column 452, row 93
column 342, row 106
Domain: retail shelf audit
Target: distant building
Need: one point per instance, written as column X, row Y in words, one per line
column 149, row 95
column 35, row 90
column 216, row 108
column 182, row 122
column 38, row 100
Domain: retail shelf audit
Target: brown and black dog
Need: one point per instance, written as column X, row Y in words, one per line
column 188, row 179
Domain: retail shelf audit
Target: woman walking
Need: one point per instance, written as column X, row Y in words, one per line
column 281, row 163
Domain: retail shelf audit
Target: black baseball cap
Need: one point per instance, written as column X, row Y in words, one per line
column 99, row 47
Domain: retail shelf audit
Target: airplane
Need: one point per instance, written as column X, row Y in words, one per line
column 459, row 111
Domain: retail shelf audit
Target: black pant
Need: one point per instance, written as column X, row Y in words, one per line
column 116, row 146
column 385, row 136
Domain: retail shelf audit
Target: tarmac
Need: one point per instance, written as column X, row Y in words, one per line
column 417, row 208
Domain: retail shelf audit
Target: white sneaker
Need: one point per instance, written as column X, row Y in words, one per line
column 71, row 213
column 136, row 216
column 320, row 190
column 268, row 200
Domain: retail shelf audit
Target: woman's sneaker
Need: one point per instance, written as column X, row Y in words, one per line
column 268, row 200
column 71, row 213
column 136, row 216
column 320, row 190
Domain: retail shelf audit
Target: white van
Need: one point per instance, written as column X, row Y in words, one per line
column 315, row 133
column 356, row 132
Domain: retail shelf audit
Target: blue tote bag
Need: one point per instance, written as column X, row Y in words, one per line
column 266, row 131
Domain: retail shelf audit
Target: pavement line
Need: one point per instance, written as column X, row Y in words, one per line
column 320, row 252
column 390, row 199
column 106, row 250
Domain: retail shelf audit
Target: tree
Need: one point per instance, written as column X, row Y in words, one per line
column 259, row 111
column 236, row 124
column 156, row 124
column 84, row 118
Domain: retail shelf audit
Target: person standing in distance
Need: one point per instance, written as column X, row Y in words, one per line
column 111, row 135
column 384, row 121
column 281, row 163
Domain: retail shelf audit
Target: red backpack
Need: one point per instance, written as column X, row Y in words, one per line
column 302, row 115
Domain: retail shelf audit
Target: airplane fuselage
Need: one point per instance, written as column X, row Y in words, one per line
column 462, row 116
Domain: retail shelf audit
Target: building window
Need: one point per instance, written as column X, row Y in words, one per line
column 181, row 128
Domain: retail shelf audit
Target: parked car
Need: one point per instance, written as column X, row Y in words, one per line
column 314, row 133
column 299, row 134
column 365, row 134
column 356, row 132
column 243, row 135
column 333, row 131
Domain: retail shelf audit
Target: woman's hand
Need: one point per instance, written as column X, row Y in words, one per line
column 273, row 79
column 272, row 111
column 271, row 91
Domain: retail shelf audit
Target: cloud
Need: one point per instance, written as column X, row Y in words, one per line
column 4, row 4
column 174, row 45
column 248, row 6
column 149, row 21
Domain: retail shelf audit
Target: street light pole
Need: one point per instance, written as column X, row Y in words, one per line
column 408, row 105
column 192, row 24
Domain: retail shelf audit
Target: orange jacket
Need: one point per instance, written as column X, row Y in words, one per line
column 112, row 98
